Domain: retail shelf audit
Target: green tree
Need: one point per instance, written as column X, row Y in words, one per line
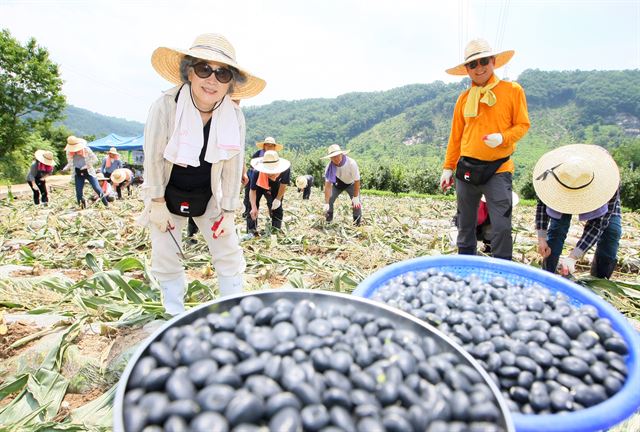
column 30, row 91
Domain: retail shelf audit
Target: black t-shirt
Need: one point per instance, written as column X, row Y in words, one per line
column 191, row 178
column 274, row 185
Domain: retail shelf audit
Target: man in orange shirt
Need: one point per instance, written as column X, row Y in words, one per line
column 488, row 120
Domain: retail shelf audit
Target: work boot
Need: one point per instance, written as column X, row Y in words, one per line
column 173, row 295
column 229, row 285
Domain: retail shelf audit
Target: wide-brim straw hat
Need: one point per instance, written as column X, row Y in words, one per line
column 209, row 47
column 576, row 178
column 45, row 157
column 113, row 151
column 119, row 175
column 75, row 144
column 334, row 150
column 101, row 177
column 269, row 140
column 477, row 49
column 270, row 163
column 301, row 182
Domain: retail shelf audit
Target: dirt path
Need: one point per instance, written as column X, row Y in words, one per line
column 54, row 182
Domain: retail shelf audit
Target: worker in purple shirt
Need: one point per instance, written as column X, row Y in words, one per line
column 341, row 174
column 584, row 180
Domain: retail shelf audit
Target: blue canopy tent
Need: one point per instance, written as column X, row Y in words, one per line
column 117, row 141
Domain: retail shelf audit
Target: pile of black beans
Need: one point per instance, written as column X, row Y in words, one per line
column 547, row 355
column 291, row 366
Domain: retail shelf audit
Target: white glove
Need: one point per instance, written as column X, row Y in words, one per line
column 356, row 202
column 325, row 208
column 446, row 179
column 223, row 225
column 159, row 215
column 493, row 140
column 567, row 265
column 276, row 204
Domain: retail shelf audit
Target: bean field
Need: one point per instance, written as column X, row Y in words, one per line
column 76, row 295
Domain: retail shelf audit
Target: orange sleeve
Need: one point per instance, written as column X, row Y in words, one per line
column 520, row 116
column 455, row 137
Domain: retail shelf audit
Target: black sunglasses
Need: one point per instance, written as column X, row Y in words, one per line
column 204, row 70
column 474, row 64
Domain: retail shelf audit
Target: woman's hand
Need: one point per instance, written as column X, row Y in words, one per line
column 543, row 248
column 160, row 216
column 254, row 213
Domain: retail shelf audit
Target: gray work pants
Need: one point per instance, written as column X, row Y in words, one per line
column 497, row 192
column 335, row 192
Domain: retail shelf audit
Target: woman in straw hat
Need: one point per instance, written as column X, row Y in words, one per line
column 194, row 146
column 107, row 189
column 269, row 143
column 304, row 183
column 488, row 120
column 121, row 178
column 41, row 167
column 82, row 159
column 111, row 162
column 341, row 174
column 270, row 177
column 584, row 180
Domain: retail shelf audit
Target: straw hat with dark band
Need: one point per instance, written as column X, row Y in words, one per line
column 45, row 157
column 270, row 163
column 113, row 151
column 576, row 178
column 334, row 150
column 75, row 144
column 269, row 140
column 477, row 49
column 119, row 175
column 209, row 47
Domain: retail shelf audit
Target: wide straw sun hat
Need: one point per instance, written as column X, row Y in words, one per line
column 45, row 157
column 113, row 151
column 269, row 140
column 301, row 182
column 576, row 178
column 75, row 144
column 334, row 150
column 270, row 163
column 480, row 48
column 119, row 175
column 209, row 47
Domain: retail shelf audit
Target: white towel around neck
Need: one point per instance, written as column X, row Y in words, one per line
column 186, row 142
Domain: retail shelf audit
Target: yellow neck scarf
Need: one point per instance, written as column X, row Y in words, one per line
column 479, row 94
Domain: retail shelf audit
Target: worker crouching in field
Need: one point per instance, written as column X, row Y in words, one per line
column 105, row 187
column 270, row 178
column 584, row 180
column 41, row 167
column 122, row 178
column 304, row 183
column 341, row 174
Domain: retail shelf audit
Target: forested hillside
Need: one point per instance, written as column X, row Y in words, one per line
column 83, row 122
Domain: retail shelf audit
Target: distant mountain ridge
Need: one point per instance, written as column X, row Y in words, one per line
column 83, row 122
column 412, row 122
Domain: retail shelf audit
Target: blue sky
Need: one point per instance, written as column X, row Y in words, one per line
column 316, row 48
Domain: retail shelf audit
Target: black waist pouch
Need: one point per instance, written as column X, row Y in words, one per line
column 476, row 171
column 187, row 203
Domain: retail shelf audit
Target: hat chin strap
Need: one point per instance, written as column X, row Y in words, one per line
column 544, row 175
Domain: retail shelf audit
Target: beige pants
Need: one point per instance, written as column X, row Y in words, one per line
column 166, row 262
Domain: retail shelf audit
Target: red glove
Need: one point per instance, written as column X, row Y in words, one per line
column 217, row 227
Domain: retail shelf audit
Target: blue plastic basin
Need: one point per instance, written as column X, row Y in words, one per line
column 599, row 417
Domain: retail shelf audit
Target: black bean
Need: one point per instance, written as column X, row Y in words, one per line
column 185, row 408
column 539, row 396
column 251, row 305
column 286, row 420
column 215, row 397
column 144, row 366
column 179, row 386
column 209, row 421
column 561, row 400
column 163, row 354
column 156, row 379
column 244, row 408
column 616, row 344
column 370, row 424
